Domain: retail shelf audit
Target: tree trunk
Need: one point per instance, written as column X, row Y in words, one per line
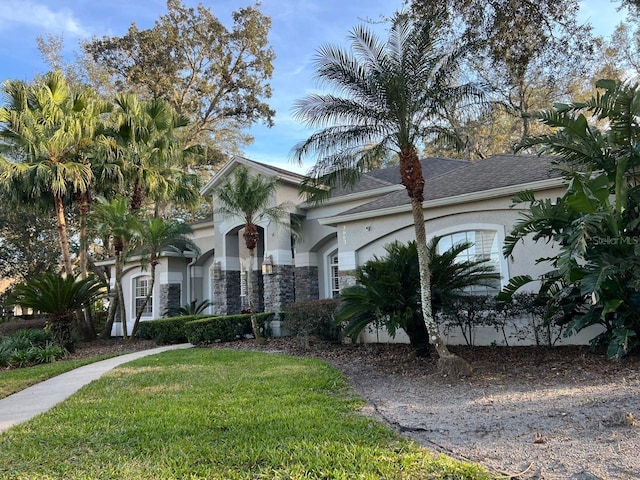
column 448, row 363
column 413, row 180
column 418, row 335
column 90, row 328
column 254, row 317
column 120, row 293
column 111, row 314
column 136, row 322
column 62, row 235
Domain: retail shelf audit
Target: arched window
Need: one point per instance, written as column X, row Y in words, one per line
column 141, row 288
column 485, row 245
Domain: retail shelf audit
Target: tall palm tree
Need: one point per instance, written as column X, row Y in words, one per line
column 249, row 197
column 46, row 130
column 146, row 137
column 390, row 97
column 116, row 226
column 156, row 235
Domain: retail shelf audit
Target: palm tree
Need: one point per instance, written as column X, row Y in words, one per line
column 394, row 94
column 46, row 130
column 387, row 292
column 60, row 297
column 191, row 308
column 146, row 138
column 116, row 226
column 249, row 197
column 156, row 235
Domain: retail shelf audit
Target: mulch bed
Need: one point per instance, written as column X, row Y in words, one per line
column 568, row 364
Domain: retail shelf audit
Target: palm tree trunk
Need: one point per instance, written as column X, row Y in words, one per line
column 120, row 294
column 254, row 317
column 63, row 235
column 136, row 322
column 111, row 314
column 448, row 363
column 89, row 327
column 413, row 180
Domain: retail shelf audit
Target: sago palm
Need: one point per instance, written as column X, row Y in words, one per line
column 60, row 297
column 390, row 98
column 250, row 198
column 388, row 292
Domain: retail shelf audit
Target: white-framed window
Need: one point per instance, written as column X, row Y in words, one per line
column 243, row 283
column 334, row 278
column 141, row 289
column 485, row 245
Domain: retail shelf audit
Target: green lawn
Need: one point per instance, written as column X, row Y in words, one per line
column 12, row 381
column 217, row 414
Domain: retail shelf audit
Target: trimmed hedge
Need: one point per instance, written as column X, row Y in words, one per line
column 222, row 329
column 166, row 331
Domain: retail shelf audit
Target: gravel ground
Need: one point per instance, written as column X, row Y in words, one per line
column 526, row 412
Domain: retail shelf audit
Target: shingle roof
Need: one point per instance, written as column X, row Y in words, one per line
column 493, row 172
column 391, row 175
column 279, row 170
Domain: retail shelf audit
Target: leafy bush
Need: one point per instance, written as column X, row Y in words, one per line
column 29, row 347
column 521, row 318
column 166, row 331
column 543, row 329
column 314, row 317
column 595, row 272
column 223, row 329
column 468, row 312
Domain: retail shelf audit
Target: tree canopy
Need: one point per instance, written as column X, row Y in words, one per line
column 527, row 54
column 217, row 77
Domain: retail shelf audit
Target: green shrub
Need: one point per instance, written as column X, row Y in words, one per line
column 223, row 329
column 315, row 317
column 29, row 347
column 166, row 331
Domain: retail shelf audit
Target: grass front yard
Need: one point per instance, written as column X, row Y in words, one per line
column 12, row 381
column 217, row 414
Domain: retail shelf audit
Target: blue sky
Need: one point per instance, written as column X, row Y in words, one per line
column 299, row 27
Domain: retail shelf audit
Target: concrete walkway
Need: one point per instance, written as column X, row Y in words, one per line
column 28, row 403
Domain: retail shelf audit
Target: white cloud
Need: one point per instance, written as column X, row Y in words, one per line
column 15, row 13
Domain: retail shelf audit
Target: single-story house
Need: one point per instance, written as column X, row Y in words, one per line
column 463, row 201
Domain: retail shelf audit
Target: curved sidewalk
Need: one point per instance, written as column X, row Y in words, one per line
column 27, row 403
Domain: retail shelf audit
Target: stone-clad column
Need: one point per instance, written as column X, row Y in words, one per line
column 278, row 288
column 226, row 291
column 306, row 277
